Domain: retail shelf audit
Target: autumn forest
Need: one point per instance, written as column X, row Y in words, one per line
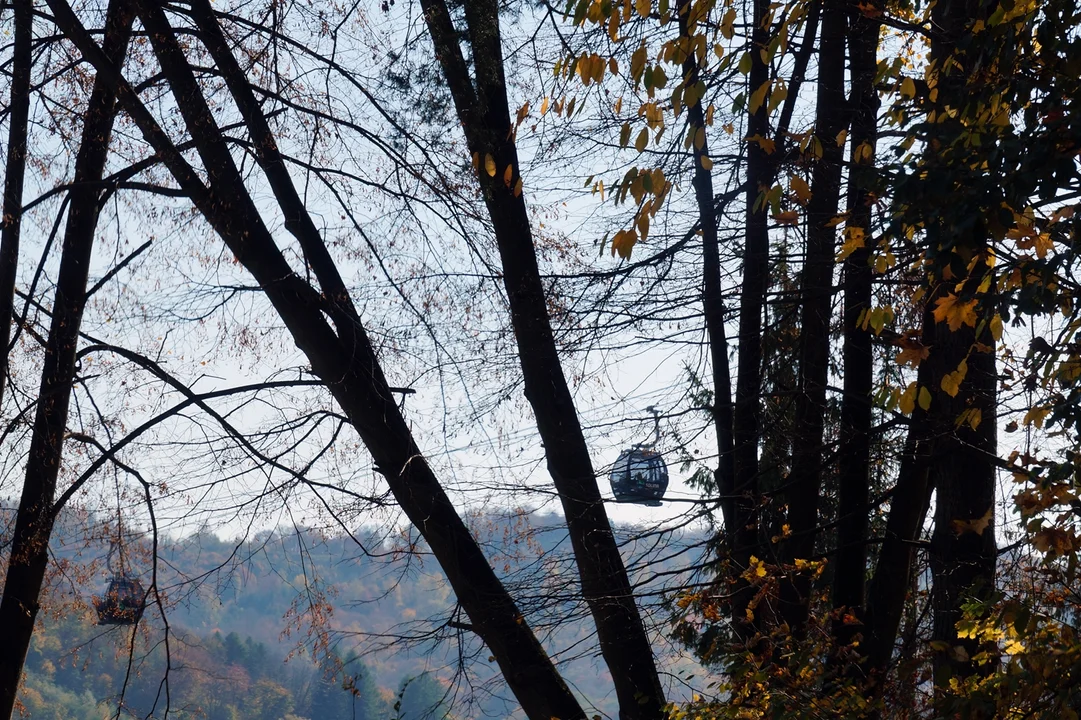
column 636, row 359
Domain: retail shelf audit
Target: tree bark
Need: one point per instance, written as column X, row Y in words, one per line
column 29, row 554
column 14, row 173
column 483, row 110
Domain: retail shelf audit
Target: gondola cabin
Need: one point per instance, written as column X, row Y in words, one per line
column 123, row 602
column 640, row 476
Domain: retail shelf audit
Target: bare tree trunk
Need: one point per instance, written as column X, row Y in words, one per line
column 853, row 465
column 14, row 173
column 344, row 359
column 29, row 555
column 816, row 290
column 747, row 412
column 712, row 299
column 483, row 110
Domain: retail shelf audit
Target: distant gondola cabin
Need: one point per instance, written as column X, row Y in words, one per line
column 640, row 476
column 123, row 602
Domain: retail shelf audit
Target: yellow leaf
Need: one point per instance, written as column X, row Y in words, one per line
column 765, row 143
column 976, row 525
column 1044, row 243
column 954, row 312
column 518, row 189
column 758, row 97
column 925, row 398
column 789, row 217
column 643, row 224
column 727, row 22
column 544, row 105
column 996, row 327
column 476, row 162
column 707, row 164
column 642, row 7
column 878, row 318
column 841, row 137
column 949, row 385
column 908, row 88
column 623, row 243
column 777, row 97
column 854, row 239
column 907, row 402
column 1013, row 647
column 1035, row 416
column 638, row 63
column 508, row 174
column 641, row 140
column 489, row 164
column 801, row 189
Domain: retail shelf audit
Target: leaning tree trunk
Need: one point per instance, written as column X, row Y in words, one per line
column 29, row 554
column 483, row 110
column 342, row 357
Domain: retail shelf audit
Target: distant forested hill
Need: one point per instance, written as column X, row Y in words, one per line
column 301, row 624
